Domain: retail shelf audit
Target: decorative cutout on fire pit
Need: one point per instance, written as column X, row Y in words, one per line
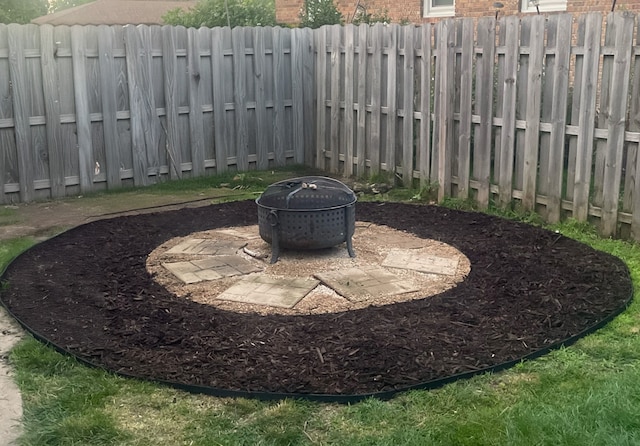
column 272, row 291
column 363, row 283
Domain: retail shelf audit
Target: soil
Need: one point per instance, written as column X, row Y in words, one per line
column 88, row 291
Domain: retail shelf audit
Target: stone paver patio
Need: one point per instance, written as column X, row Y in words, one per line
column 420, row 261
column 357, row 284
column 361, row 283
column 207, row 247
column 264, row 290
column 212, row 268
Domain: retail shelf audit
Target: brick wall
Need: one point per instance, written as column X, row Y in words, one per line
column 287, row 11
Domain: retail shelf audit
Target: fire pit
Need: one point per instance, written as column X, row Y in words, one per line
column 306, row 213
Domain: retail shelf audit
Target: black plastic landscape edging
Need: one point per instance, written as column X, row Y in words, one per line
column 321, row 397
column 328, row 398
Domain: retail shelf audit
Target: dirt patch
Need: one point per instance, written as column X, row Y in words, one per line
column 89, row 292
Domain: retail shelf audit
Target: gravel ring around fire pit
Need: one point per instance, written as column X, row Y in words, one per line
column 87, row 292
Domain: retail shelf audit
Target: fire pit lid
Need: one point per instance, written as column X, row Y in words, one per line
column 307, row 193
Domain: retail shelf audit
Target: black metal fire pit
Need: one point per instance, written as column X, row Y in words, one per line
column 307, row 213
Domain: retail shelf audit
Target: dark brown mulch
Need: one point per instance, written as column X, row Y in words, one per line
column 87, row 291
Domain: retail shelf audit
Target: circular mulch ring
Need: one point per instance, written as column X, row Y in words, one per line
column 88, row 293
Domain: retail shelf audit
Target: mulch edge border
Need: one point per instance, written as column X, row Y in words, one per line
column 317, row 397
column 329, row 398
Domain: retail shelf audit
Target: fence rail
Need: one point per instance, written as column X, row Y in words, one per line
column 539, row 110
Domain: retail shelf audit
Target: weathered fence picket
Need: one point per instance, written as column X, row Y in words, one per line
column 423, row 154
column 196, row 118
column 486, row 31
column 362, row 52
column 408, row 107
column 507, row 90
column 589, row 45
column 556, row 88
column 348, row 127
column 532, row 112
column 321, row 109
column 443, row 106
column 375, row 76
column 463, row 139
column 528, row 110
column 51, row 95
column 240, row 90
column 616, row 111
column 222, row 140
column 334, row 99
column 108, row 89
column 19, row 91
column 389, row 144
column 632, row 182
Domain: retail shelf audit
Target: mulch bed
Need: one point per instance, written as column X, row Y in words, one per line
column 88, row 292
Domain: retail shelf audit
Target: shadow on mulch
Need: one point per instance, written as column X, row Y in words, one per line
column 88, row 293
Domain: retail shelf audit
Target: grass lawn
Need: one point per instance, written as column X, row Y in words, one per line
column 588, row 394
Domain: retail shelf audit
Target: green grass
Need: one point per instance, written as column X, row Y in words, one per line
column 586, row 394
column 9, row 249
column 7, row 216
column 252, row 181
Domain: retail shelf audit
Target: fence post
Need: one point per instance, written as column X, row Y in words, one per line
column 334, row 99
column 408, row 106
column 391, row 31
column 321, row 94
column 486, row 35
column 375, row 76
column 443, row 110
column 363, row 75
column 508, row 90
column 348, row 127
column 196, row 126
column 424, row 142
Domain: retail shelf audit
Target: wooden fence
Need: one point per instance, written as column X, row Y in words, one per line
column 542, row 111
column 88, row 108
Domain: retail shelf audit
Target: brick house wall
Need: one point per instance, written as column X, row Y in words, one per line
column 287, row 11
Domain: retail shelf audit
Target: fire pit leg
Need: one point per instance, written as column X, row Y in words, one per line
column 275, row 242
column 350, row 248
column 349, row 220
